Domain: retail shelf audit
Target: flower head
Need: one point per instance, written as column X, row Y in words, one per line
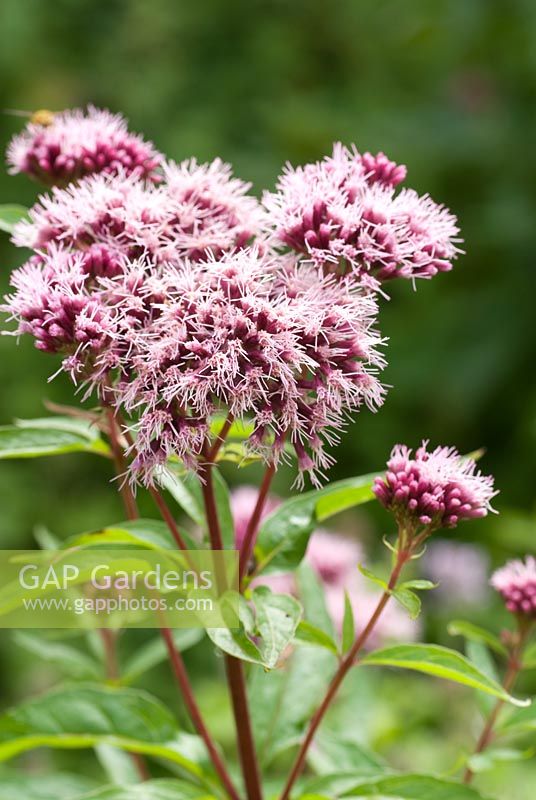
column 76, row 143
column 200, row 211
column 344, row 215
column 226, row 340
column 516, row 582
column 53, row 302
column 434, row 489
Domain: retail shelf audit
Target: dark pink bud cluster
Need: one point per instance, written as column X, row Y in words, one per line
column 434, row 489
column 75, row 143
column 344, row 215
column 53, row 302
column 516, row 582
column 380, row 169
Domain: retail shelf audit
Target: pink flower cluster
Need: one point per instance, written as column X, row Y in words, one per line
column 75, row 143
column 343, row 214
column 334, row 559
column 170, row 289
column 199, row 210
column 433, row 489
column 516, row 582
column 227, row 339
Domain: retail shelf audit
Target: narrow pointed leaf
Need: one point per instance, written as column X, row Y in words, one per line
column 441, row 662
column 348, row 625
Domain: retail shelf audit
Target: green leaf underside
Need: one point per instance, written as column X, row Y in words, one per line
column 439, row 662
column 284, row 535
column 272, row 623
column 28, row 442
column 475, row 633
column 83, row 716
column 10, row 214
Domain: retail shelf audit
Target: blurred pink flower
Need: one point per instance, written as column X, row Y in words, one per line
column 77, row 143
column 434, row 489
column 460, row 570
column 516, row 582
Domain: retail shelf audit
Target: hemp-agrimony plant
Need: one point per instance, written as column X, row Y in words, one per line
column 207, row 326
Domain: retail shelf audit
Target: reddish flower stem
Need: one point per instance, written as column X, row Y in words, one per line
column 125, row 491
column 246, row 551
column 344, row 667
column 175, row 657
column 512, row 671
column 193, row 709
column 234, row 670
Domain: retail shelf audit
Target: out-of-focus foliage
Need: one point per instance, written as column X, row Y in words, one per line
column 449, row 88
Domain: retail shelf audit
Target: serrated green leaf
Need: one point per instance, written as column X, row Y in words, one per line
column 310, row 634
column 284, row 535
column 277, row 617
column 480, row 656
column 271, row 625
column 85, row 716
column 34, row 442
column 475, row 633
column 10, row 214
column 348, row 625
column 440, row 662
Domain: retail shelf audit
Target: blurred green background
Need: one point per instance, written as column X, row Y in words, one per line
column 446, row 87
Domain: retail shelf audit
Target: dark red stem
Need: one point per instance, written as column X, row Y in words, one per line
column 246, row 551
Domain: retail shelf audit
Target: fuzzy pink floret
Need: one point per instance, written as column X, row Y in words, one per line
column 343, row 213
column 199, row 211
column 225, row 339
column 516, row 582
column 79, row 143
column 434, row 489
